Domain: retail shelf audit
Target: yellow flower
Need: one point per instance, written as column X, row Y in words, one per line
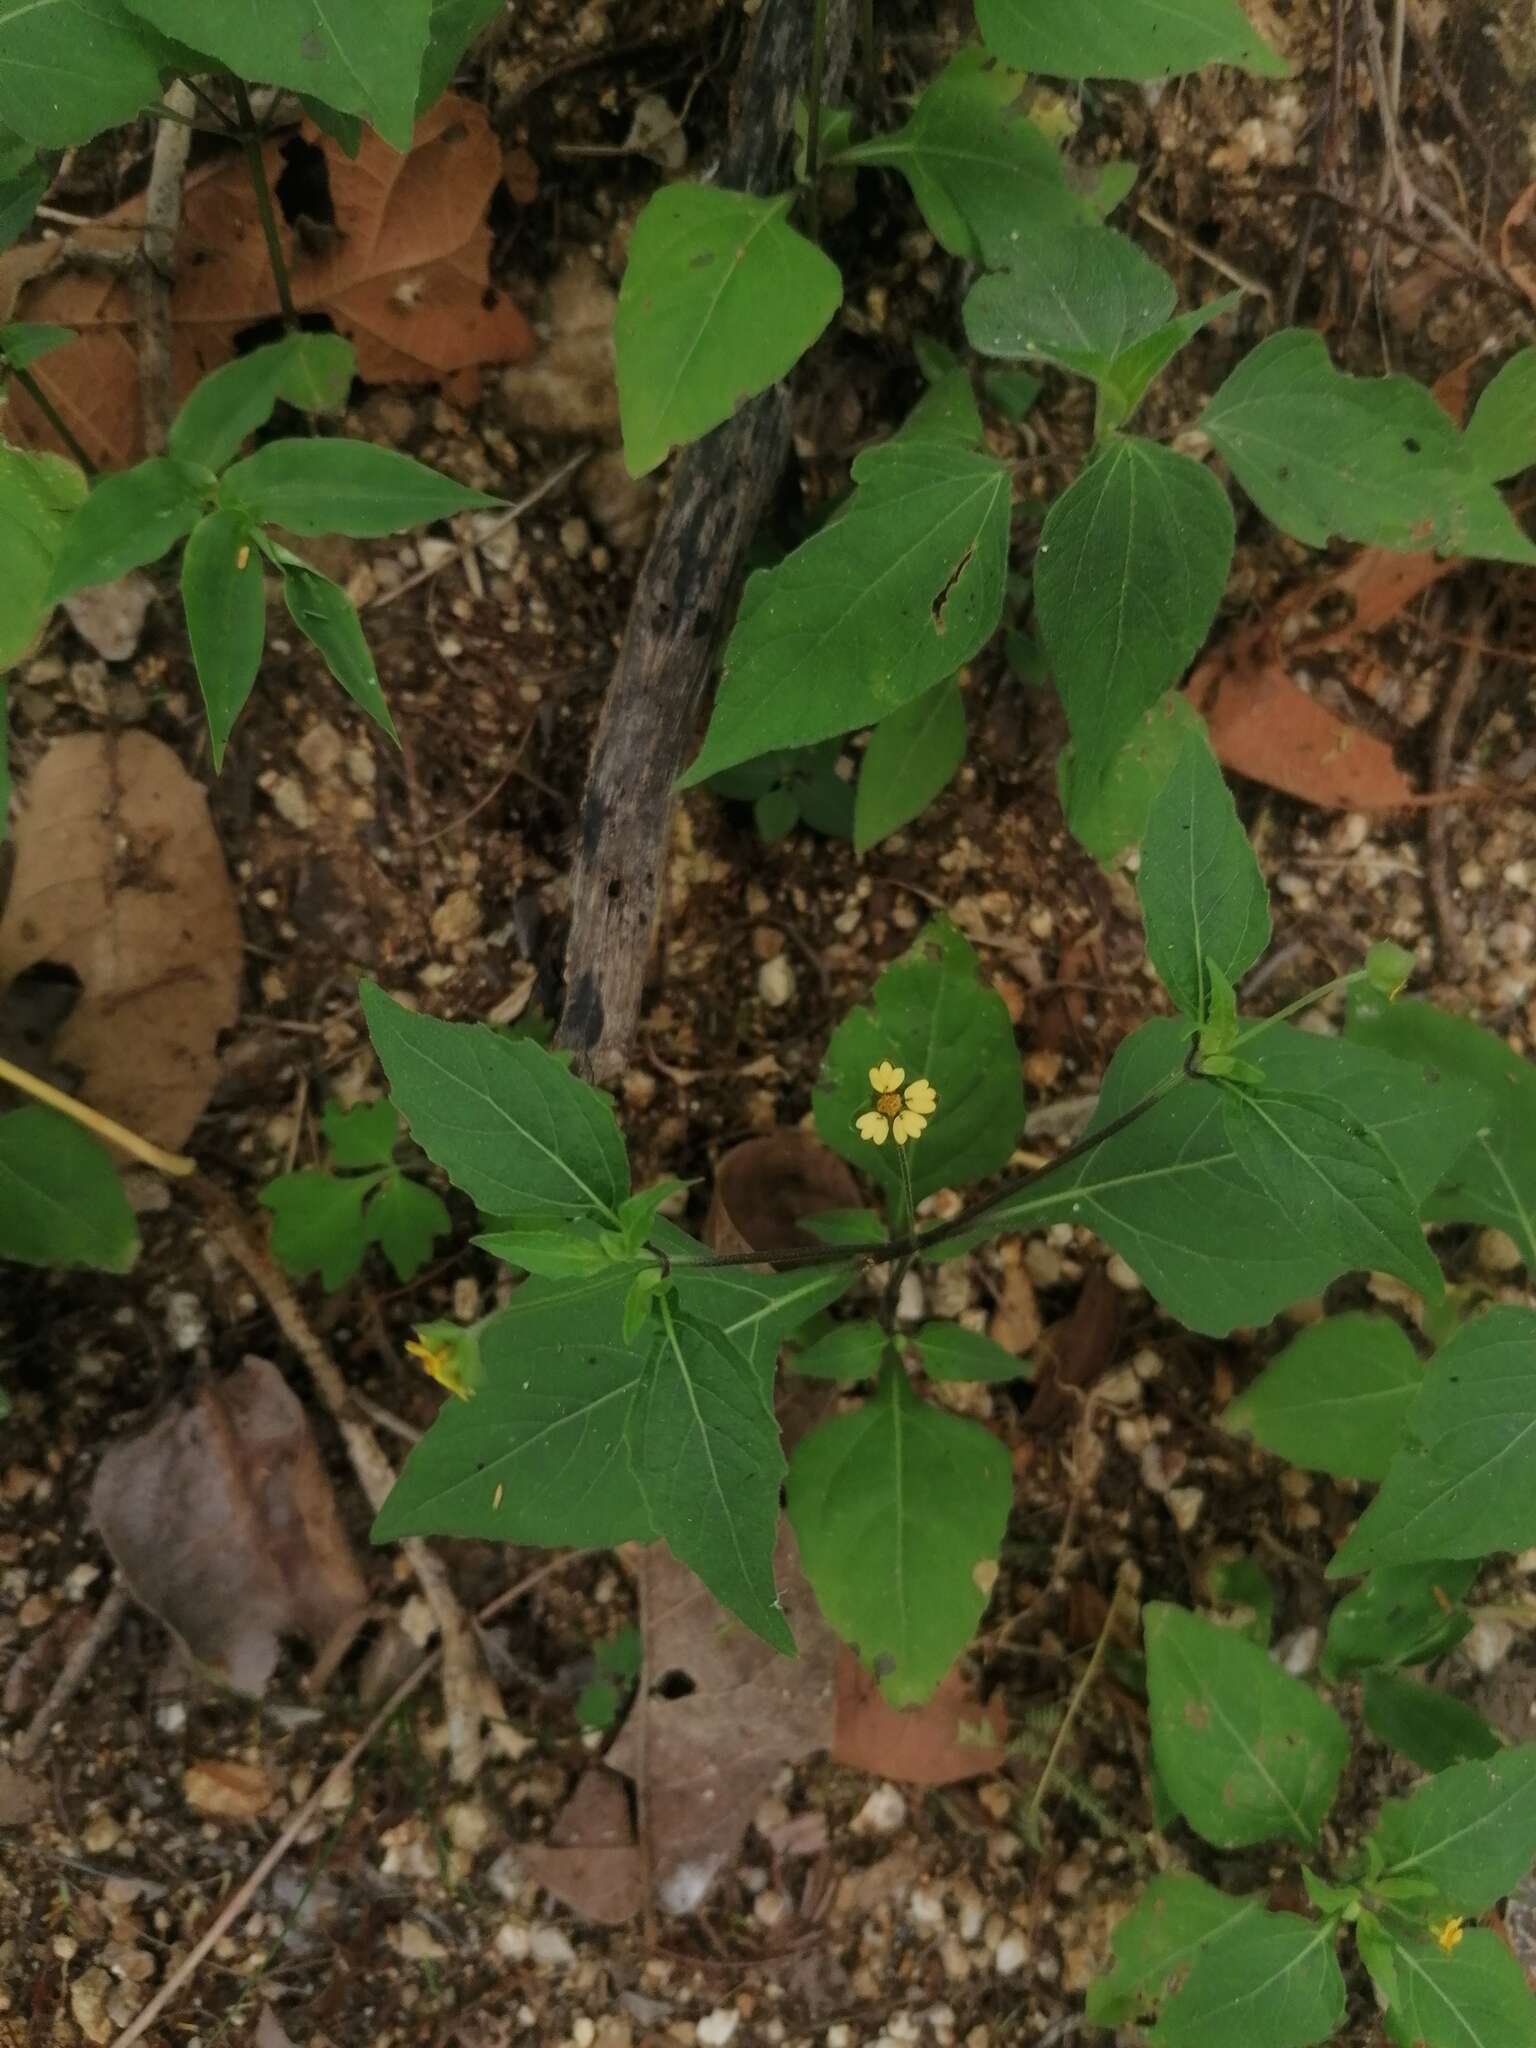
column 1448, row 1933
column 451, row 1356
column 900, row 1112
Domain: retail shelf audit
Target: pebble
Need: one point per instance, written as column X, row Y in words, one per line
column 882, row 1813
column 226, row 1789
column 456, row 918
column 88, row 2003
column 1487, row 1645
column 551, row 1945
column 186, row 1321
column 291, row 803
column 769, row 1908
column 717, row 2027
column 1012, row 1952
column 1123, row 1276
column 1184, row 1504
column 575, row 538
column 417, row 1943
column 321, row 750
column 776, row 982
column 925, row 1909
column 1497, row 1252
column 1297, row 1653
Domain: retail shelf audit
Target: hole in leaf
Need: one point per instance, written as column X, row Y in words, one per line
column 674, row 1685
column 303, row 186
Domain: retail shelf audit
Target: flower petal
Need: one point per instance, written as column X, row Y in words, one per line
column 886, row 1079
column 873, row 1127
column 920, row 1096
column 908, row 1124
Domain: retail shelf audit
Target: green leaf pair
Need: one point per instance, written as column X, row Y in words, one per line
column 324, row 1222
column 297, row 486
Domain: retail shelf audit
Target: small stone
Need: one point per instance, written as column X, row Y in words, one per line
column 100, row 1833
column 551, row 1945
column 468, row 1826
column 882, row 1813
column 417, row 1943
column 925, row 1909
column 1184, row 1504
column 291, row 803
column 321, row 750
column 1012, row 1953
column 1122, row 1276
column 456, row 918
column 1498, row 1253
column 717, row 2027
column 996, row 1798
column 88, row 2003
column 776, row 982
column 1297, row 1652
column 769, row 1908
column 186, row 1321
column 226, row 1789
column 1487, row 1645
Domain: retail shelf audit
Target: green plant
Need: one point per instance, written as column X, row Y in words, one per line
column 324, row 1221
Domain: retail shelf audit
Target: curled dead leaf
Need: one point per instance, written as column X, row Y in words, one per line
column 766, row 1186
column 399, row 266
column 222, row 1522
column 223, row 1788
column 120, row 882
column 953, row 1736
column 591, row 1861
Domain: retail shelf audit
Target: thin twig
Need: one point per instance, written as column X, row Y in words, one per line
column 156, row 273
column 469, row 1694
column 92, row 1120
column 1074, row 1705
column 241, row 1897
column 1208, row 257
column 1437, row 824
column 500, row 524
column 51, row 414
column 76, row 1668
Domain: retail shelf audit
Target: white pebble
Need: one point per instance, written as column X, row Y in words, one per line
column 551, row 1945
column 882, row 1813
column 186, row 1321
column 1184, row 1504
column 776, row 982
column 1487, row 1645
column 717, row 2027
column 1011, row 1953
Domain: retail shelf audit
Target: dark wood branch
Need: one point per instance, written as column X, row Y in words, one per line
column 721, row 489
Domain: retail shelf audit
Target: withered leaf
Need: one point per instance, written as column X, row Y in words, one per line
column 950, row 1737
column 120, row 879
column 401, row 271
column 591, row 1861
column 222, row 1522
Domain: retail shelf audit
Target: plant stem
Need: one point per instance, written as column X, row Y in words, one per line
column 912, row 1242
column 1076, row 1701
column 906, row 1219
column 93, row 1120
column 51, row 414
column 1305, row 1002
column 813, row 110
column 250, row 142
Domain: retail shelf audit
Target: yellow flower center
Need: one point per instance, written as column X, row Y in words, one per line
column 888, row 1105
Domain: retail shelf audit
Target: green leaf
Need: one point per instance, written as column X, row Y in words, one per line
column 597, row 1704
column 1338, row 1184
column 506, row 1121
column 328, row 619
column 404, row 1220
column 874, row 610
column 848, row 1351
column 910, row 757
column 539, row 1454
column 317, row 1224
column 621, row 1656
column 1169, row 1194
column 1471, row 1831
column 552, row 1254
column 894, row 1507
column 1500, row 439
column 1494, row 1181
column 1154, row 1945
column 755, row 1311
column 1127, row 379
column 224, row 598
column 1429, row 1728
column 21, row 193
column 1247, row 1751
column 452, row 27
column 229, row 404
column 721, row 298
column 61, row 1201
column 129, row 519
column 1201, row 893
column 949, row 1352
column 332, row 49
column 977, row 164
column 935, row 1016
column 1108, row 811
column 1336, row 1398
column 1371, row 458
column 345, row 130
column 1388, row 968
column 1124, row 38
column 705, row 1450
column 1132, row 564
column 23, row 343
column 1465, row 1482
column 39, row 495
column 1477, row 1996
column 69, row 69
column 1078, row 294
column 775, row 814
column 364, row 1135
column 1244, row 1590
column 1401, row 1614
column 1272, row 1982
column 1013, row 392
column 352, row 487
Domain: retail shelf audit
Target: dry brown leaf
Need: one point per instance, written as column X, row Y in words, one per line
column 953, row 1737
column 722, row 1716
column 1263, row 725
column 222, row 1522
column 591, row 1862
column 120, row 878
column 1076, row 1350
column 402, row 274
column 765, row 1186
column 223, row 1788
column 22, row 1797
